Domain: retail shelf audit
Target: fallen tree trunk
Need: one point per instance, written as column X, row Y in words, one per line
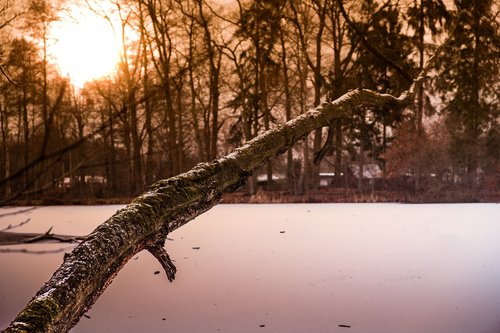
column 164, row 207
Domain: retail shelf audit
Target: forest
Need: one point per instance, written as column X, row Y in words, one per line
column 197, row 78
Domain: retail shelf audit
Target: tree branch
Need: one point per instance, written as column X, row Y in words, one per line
column 166, row 206
column 370, row 48
column 16, row 238
column 159, row 252
column 7, row 77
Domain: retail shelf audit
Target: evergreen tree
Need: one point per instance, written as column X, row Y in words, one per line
column 425, row 18
column 468, row 80
column 384, row 32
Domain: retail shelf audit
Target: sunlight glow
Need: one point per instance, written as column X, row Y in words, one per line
column 84, row 46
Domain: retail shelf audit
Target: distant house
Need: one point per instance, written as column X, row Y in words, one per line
column 262, row 178
column 370, row 171
column 326, row 178
column 87, row 179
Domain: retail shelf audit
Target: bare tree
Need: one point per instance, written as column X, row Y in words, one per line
column 160, row 18
column 310, row 20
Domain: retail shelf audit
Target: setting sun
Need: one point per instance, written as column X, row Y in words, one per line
column 84, row 46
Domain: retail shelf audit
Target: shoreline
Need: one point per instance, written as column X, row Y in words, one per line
column 325, row 195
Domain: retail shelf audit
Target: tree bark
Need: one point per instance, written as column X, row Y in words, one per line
column 164, row 207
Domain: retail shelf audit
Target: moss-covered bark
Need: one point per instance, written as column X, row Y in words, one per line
column 165, row 206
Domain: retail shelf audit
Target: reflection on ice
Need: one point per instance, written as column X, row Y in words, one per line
column 289, row 268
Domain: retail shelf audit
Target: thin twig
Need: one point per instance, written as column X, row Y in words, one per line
column 13, row 226
column 7, row 77
column 21, row 211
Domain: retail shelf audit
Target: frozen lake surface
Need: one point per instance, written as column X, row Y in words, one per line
column 364, row 268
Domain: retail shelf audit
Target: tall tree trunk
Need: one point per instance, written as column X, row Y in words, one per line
column 361, row 155
column 202, row 152
column 267, row 119
column 112, row 179
column 180, row 126
column 170, row 117
column 128, row 149
column 338, row 33
column 318, row 84
column 47, row 119
column 318, row 133
column 148, row 121
column 138, row 183
column 290, row 172
column 420, row 93
column 475, row 108
column 5, row 160
column 214, row 61
column 26, row 136
column 306, row 165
